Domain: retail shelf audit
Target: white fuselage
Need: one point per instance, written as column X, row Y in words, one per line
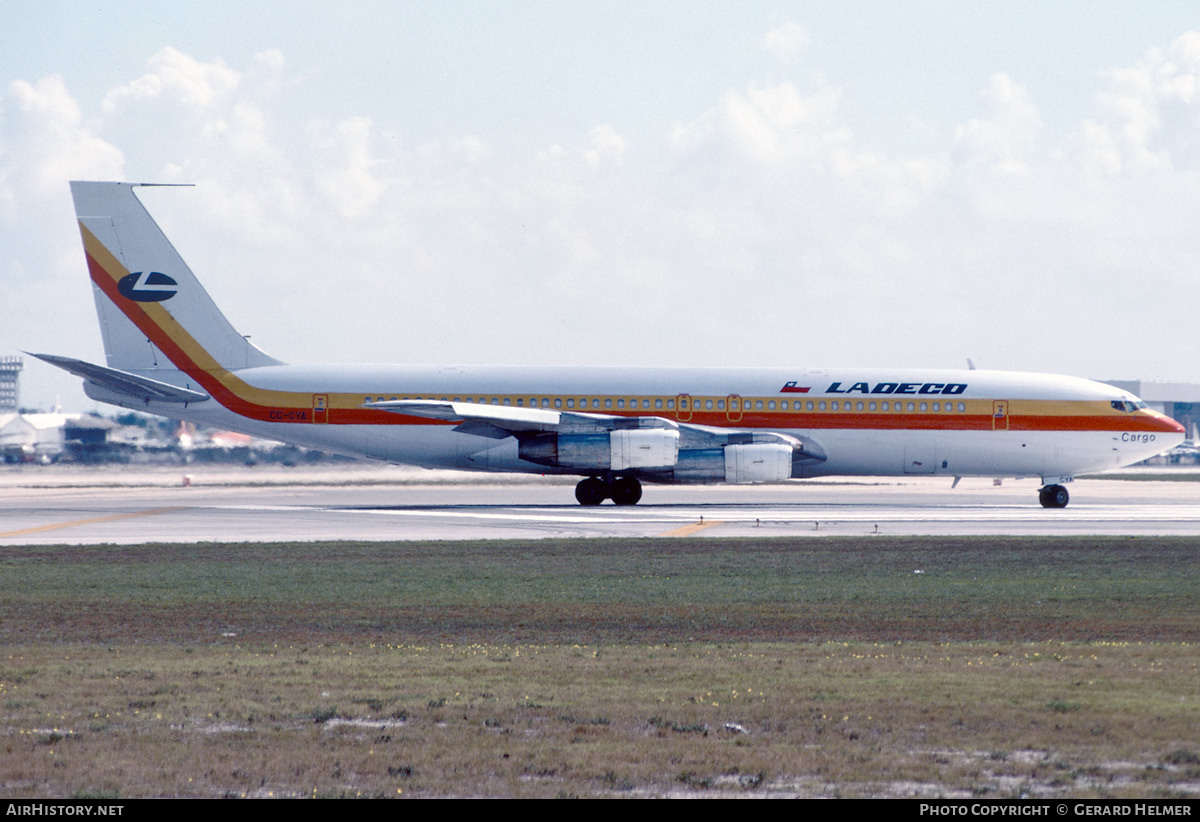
column 894, row 422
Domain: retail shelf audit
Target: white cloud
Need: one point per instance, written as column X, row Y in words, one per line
column 1129, row 131
column 604, row 144
column 1004, row 140
column 49, row 142
column 786, row 41
column 349, row 179
column 179, row 76
column 767, row 124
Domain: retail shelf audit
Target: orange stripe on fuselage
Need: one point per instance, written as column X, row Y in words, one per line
column 267, row 405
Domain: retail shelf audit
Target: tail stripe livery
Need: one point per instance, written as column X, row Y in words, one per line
column 171, row 351
column 160, row 327
column 155, row 321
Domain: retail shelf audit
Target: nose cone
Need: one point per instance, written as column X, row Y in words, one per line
column 1167, row 433
column 1168, row 427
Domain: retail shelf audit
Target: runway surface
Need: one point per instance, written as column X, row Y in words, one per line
column 59, row 504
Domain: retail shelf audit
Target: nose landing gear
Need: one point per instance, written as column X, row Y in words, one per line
column 1053, row 496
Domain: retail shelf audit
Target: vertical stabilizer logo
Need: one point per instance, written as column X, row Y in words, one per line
column 147, row 287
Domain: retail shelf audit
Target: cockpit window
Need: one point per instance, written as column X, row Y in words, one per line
column 1128, row 406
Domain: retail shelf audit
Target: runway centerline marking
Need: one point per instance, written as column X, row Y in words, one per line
column 91, row 521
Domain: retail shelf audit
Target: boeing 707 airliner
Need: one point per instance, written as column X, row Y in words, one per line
column 170, row 351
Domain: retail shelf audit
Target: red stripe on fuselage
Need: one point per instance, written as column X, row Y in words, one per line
column 300, row 410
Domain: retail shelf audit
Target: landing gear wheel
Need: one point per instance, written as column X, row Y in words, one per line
column 626, row 491
column 1053, row 496
column 591, row 491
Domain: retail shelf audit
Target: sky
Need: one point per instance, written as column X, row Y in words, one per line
column 884, row 184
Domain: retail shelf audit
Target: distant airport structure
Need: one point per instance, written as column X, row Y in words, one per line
column 10, row 372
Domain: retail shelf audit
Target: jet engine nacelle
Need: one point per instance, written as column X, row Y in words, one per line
column 618, row 450
column 739, row 464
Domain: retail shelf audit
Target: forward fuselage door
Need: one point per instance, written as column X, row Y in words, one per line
column 1000, row 414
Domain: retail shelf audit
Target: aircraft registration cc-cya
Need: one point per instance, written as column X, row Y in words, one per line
column 170, row 351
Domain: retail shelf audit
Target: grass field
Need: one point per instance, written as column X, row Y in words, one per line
column 990, row 667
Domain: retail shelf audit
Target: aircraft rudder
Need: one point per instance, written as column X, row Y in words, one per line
column 153, row 311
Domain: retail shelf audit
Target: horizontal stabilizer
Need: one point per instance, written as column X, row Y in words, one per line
column 122, row 382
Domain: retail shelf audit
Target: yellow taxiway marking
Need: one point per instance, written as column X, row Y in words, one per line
column 688, row 530
column 39, row 529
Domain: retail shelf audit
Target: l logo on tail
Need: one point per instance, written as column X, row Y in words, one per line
column 147, row 287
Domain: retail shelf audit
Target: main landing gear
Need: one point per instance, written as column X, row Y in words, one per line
column 1053, row 496
column 622, row 491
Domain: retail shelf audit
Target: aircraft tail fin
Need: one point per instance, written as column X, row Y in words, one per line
column 154, row 314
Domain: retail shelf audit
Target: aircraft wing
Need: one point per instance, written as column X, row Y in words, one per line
column 122, row 382
column 601, row 442
column 504, row 417
column 500, row 421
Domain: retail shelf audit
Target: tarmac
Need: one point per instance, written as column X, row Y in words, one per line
column 46, row 505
